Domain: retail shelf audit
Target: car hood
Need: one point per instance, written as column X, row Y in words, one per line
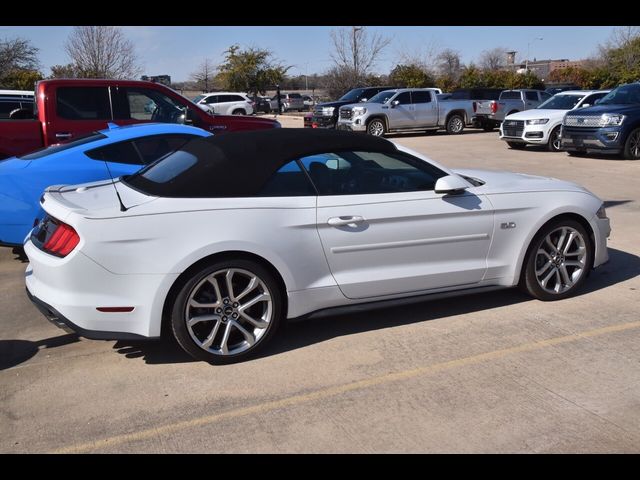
column 332, row 104
column 12, row 164
column 509, row 182
column 600, row 109
column 537, row 113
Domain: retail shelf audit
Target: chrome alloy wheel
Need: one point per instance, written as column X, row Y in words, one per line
column 555, row 140
column 634, row 144
column 456, row 125
column 228, row 311
column 560, row 260
column 376, row 128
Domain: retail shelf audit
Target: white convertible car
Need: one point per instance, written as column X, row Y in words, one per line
column 222, row 240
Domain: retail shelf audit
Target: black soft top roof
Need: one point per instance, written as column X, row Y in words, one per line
column 239, row 164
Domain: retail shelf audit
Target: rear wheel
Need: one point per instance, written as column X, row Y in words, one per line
column 632, row 146
column 238, row 111
column 226, row 311
column 554, row 140
column 455, row 125
column 558, row 260
column 376, row 127
column 516, row 145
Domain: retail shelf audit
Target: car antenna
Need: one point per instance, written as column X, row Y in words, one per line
column 113, row 182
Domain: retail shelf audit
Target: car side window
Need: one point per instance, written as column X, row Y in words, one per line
column 532, row 96
column 358, row 173
column 148, row 105
column 83, row 103
column 288, row 181
column 421, row 97
column 404, row 98
column 591, row 99
column 211, row 99
column 157, row 146
column 122, row 152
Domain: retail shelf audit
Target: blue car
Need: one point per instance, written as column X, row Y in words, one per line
column 98, row 156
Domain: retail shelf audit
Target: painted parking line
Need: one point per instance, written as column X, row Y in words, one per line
column 340, row 389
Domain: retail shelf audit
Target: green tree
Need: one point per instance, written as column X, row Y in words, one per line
column 576, row 75
column 21, row 79
column 16, row 55
column 471, row 77
column 64, row 71
column 252, row 70
column 410, row 76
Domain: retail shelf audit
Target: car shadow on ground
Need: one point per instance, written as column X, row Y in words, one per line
column 433, row 133
column 299, row 334
column 14, row 352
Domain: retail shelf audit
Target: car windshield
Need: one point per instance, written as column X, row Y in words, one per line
column 624, row 95
column 382, row 97
column 352, row 95
column 61, row 147
column 561, row 102
column 198, row 98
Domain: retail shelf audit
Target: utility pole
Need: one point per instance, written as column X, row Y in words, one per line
column 356, row 71
column 526, row 63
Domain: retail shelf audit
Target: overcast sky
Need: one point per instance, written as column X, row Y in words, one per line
column 177, row 51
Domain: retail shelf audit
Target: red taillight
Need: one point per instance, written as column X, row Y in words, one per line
column 494, row 106
column 63, row 240
column 475, row 107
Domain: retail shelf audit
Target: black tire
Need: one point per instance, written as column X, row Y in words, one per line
column 238, row 111
column 455, row 124
column 517, row 145
column 488, row 127
column 191, row 285
column 529, row 282
column 376, row 127
column 554, row 140
column 632, row 146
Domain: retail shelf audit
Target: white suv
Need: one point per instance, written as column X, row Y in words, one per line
column 225, row 103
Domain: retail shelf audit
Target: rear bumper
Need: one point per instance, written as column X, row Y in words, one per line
column 71, row 289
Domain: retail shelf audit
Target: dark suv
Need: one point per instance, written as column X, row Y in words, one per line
column 611, row 126
column 325, row 115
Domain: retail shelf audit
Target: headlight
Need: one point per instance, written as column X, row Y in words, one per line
column 358, row 111
column 611, row 120
column 538, row 121
column 602, row 212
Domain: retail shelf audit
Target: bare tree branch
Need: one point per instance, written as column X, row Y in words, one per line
column 493, row 59
column 204, row 75
column 102, row 52
column 17, row 54
column 356, row 50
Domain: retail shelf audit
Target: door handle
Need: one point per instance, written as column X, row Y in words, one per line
column 343, row 221
column 63, row 135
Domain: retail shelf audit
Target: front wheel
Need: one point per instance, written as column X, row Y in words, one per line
column 226, row 311
column 376, row 127
column 455, row 125
column 554, row 140
column 632, row 146
column 239, row 111
column 558, row 260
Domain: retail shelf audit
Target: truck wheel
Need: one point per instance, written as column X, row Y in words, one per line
column 376, row 127
column 554, row 140
column 516, row 145
column 455, row 125
column 488, row 127
column 632, row 146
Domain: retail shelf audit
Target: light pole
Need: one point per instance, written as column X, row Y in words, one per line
column 355, row 53
column 526, row 63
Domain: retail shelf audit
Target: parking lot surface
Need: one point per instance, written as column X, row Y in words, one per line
column 491, row 372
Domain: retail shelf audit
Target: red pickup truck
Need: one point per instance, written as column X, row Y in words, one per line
column 65, row 109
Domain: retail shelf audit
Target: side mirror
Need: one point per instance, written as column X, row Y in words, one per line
column 364, row 99
column 189, row 116
column 451, row 185
column 395, row 103
column 585, row 105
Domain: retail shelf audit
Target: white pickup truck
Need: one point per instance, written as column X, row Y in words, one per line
column 490, row 113
column 406, row 109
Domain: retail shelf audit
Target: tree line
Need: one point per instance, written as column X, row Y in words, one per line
column 105, row 52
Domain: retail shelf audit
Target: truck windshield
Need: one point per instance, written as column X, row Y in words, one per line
column 382, row 97
column 561, row 102
column 623, row 95
column 352, row 95
column 61, row 147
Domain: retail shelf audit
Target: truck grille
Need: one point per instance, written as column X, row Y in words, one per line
column 346, row 113
column 513, row 128
column 582, row 121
